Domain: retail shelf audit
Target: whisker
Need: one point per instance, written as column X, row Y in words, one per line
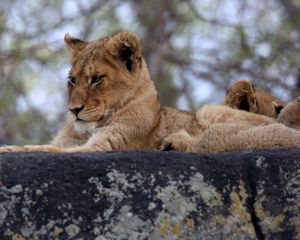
column 93, row 109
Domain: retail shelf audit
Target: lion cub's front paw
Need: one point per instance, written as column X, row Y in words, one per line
column 179, row 141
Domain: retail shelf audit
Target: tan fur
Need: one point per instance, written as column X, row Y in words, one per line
column 290, row 114
column 223, row 114
column 123, row 111
column 226, row 129
column 242, row 95
column 222, row 137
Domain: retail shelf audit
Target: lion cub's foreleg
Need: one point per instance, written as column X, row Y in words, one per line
column 180, row 141
column 44, row 148
column 104, row 140
column 36, row 148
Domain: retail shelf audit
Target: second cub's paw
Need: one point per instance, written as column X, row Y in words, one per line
column 166, row 146
column 177, row 141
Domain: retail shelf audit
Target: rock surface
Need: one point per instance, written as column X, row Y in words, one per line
column 150, row 195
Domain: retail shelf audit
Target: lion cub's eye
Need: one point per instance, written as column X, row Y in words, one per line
column 72, row 80
column 96, row 79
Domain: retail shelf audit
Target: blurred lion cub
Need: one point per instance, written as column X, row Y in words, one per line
column 238, row 127
column 232, row 130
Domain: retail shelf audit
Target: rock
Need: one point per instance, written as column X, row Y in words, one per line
column 150, row 195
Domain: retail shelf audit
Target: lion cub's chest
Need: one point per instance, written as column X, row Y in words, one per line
column 86, row 129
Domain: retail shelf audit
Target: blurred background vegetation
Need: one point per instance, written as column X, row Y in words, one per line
column 194, row 49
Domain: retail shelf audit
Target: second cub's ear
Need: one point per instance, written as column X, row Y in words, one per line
column 74, row 44
column 128, row 47
column 277, row 107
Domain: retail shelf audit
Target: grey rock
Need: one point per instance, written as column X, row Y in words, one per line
column 150, row 195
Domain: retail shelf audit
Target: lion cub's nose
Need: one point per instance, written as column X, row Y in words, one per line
column 76, row 110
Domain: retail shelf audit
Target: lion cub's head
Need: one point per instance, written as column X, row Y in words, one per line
column 105, row 75
column 244, row 96
column 241, row 95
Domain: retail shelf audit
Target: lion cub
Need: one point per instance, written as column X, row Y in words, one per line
column 252, row 119
column 226, row 129
column 247, row 122
column 113, row 104
column 242, row 95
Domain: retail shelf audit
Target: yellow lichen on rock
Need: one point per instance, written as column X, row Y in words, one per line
column 219, row 219
column 275, row 222
column 176, row 229
column 272, row 223
column 164, row 226
column 8, row 232
column 215, row 202
column 17, row 237
column 238, row 210
column 14, row 236
column 297, row 230
column 243, row 192
column 259, row 210
column 57, row 231
column 190, row 223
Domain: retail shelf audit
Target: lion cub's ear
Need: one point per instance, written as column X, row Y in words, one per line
column 74, row 44
column 277, row 107
column 128, row 47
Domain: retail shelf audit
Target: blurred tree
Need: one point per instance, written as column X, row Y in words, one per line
column 194, row 49
column 257, row 42
column 292, row 12
column 161, row 23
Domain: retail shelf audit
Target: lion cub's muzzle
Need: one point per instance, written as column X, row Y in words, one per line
column 76, row 110
column 88, row 114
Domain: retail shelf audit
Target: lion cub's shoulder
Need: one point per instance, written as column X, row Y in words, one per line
column 290, row 114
